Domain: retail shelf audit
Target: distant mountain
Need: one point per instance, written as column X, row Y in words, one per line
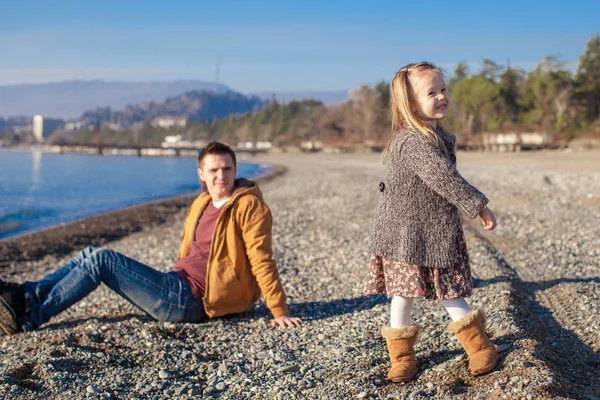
column 324, row 96
column 193, row 106
column 69, row 99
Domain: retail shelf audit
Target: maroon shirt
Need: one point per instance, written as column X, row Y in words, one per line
column 192, row 267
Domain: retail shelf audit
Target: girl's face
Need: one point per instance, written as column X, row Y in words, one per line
column 432, row 97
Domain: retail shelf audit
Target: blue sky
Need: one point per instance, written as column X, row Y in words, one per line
column 280, row 45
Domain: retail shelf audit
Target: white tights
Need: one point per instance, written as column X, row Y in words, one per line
column 402, row 306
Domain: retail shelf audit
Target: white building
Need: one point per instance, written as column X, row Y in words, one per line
column 113, row 126
column 169, row 122
column 38, row 127
column 21, row 129
column 264, row 145
column 245, row 145
column 72, row 126
column 175, row 141
column 528, row 138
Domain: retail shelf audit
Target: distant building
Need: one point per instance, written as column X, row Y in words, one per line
column 21, row 129
column 176, row 141
column 173, row 140
column 527, row 138
column 73, row 126
column 513, row 141
column 264, row 145
column 38, row 127
column 245, row 145
column 169, row 122
column 311, row 145
column 113, row 126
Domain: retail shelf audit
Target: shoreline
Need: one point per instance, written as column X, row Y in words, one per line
column 90, row 150
column 101, row 228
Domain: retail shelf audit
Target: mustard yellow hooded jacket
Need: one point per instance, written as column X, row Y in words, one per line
column 240, row 262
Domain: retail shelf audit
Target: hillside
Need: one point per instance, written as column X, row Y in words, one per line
column 69, row 99
column 193, row 106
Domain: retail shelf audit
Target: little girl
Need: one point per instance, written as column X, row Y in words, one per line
column 417, row 244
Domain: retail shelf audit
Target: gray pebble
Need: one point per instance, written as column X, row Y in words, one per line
column 502, row 347
column 92, row 389
column 527, row 364
column 162, row 374
column 289, row 368
column 181, row 389
column 223, row 367
column 210, row 389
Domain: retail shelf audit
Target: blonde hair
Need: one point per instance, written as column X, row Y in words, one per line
column 403, row 104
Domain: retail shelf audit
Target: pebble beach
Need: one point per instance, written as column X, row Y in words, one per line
column 537, row 277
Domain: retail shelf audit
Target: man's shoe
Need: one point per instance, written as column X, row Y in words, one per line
column 12, row 307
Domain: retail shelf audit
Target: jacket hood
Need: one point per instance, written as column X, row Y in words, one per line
column 243, row 187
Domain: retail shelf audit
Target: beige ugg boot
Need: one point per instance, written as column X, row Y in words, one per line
column 401, row 346
column 470, row 332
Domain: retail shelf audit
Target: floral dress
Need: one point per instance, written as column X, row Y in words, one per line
column 395, row 278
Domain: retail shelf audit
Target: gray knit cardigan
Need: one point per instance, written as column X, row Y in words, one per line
column 416, row 220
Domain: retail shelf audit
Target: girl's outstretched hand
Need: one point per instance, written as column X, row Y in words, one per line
column 487, row 219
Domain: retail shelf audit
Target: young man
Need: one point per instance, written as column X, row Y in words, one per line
column 225, row 262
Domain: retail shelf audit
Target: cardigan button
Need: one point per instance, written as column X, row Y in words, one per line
column 381, row 186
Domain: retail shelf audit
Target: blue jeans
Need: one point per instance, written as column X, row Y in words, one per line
column 163, row 296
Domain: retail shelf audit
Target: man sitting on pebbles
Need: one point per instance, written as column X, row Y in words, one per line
column 225, row 262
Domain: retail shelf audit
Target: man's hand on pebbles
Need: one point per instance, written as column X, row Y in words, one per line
column 286, row 322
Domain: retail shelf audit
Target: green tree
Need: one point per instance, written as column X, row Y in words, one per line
column 476, row 102
column 587, row 79
column 490, row 69
column 460, row 72
column 510, row 82
column 368, row 112
column 547, row 93
column 383, row 92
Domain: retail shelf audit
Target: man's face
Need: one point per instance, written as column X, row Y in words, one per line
column 217, row 172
